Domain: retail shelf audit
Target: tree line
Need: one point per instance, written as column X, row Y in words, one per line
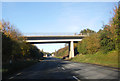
column 14, row 46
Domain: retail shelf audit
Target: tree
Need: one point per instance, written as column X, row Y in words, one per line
column 115, row 26
column 106, row 39
column 82, row 47
column 87, row 31
column 6, row 48
column 93, row 44
column 88, row 44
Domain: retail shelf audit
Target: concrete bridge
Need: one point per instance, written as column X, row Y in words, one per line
column 70, row 39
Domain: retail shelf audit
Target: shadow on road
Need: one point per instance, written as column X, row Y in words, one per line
column 57, row 69
column 48, row 69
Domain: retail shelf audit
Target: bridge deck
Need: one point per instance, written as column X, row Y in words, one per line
column 54, row 37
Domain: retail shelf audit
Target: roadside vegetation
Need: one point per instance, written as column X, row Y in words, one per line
column 108, row 59
column 102, row 47
column 63, row 52
column 16, row 53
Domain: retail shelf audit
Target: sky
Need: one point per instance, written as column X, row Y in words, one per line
column 48, row 18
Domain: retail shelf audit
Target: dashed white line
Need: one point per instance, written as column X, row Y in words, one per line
column 76, row 78
column 18, row 73
column 63, row 68
column 11, row 77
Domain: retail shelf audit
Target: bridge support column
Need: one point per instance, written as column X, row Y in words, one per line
column 71, row 49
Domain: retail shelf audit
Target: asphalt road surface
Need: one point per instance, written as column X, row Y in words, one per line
column 56, row 69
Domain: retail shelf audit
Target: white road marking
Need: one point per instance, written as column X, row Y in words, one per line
column 18, row 73
column 11, row 77
column 76, row 78
column 63, row 68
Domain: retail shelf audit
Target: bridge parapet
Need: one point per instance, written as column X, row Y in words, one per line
column 55, row 34
column 47, row 34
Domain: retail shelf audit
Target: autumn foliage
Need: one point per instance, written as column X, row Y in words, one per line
column 14, row 47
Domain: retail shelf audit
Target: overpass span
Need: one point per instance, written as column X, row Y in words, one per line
column 70, row 39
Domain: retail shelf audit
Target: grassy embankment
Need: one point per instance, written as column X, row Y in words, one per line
column 58, row 57
column 109, row 59
column 61, row 52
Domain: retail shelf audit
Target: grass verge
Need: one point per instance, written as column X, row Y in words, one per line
column 110, row 59
column 58, row 57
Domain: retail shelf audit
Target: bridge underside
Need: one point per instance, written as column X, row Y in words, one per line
column 51, row 42
column 70, row 42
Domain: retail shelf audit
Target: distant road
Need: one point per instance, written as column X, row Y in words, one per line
column 53, row 68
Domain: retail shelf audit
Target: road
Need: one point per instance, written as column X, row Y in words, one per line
column 56, row 69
